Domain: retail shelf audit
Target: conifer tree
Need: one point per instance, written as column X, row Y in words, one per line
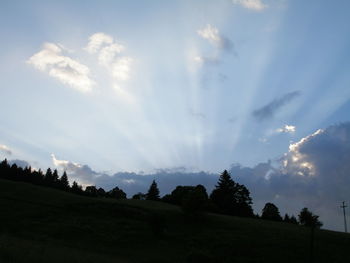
column 64, row 183
column 231, row 198
column 48, row 176
column 153, row 192
column 55, row 177
column 76, row 188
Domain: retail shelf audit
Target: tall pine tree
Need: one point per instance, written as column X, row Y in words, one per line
column 153, row 192
column 231, row 198
column 64, row 183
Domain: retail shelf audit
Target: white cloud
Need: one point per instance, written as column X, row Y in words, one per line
column 5, row 149
column 214, row 37
column 109, row 56
column 208, row 60
column 96, row 41
column 108, row 53
column 63, row 68
column 81, row 173
column 121, row 68
column 219, row 41
column 286, row 129
column 296, row 161
column 211, row 34
column 256, row 5
column 66, row 165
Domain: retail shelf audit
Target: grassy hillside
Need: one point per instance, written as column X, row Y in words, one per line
column 39, row 224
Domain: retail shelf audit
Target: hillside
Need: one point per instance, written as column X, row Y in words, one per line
column 40, row 224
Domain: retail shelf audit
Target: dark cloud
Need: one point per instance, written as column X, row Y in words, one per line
column 314, row 173
column 132, row 183
column 227, row 44
column 269, row 110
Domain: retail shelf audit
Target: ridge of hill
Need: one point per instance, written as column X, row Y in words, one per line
column 39, row 224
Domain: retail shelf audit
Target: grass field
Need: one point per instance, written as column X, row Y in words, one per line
column 39, row 224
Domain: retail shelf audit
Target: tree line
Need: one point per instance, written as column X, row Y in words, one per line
column 228, row 196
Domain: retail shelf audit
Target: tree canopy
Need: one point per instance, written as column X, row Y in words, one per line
column 153, row 192
column 307, row 218
column 271, row 212
column 231, row 198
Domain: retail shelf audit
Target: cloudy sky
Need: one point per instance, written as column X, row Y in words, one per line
column 121, row 92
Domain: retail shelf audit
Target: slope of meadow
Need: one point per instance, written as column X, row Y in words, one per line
column 40, row 224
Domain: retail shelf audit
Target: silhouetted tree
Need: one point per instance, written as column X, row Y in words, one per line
column 63, row 182
column 167, row 199
column 48, row 177
column 293, row 220
column 195, row 200
column 307, row 218
column 231, row 198
column 153, row 192
column 91, row 190
column 76, row 188
column 101, row 192
column 117, row 193
column 181, row 192
column 139, row 196
column 286, row 218
column 271, row 212
column 55, row 179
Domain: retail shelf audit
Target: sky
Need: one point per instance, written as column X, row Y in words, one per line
column 121, row 92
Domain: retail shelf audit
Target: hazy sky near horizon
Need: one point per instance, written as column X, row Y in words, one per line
column 145, row 85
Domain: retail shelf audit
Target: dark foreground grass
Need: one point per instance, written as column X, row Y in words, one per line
column 39, row 224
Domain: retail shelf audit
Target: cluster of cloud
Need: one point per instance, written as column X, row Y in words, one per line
column 5, row 149
column 256, row 5
column 109, row 51
column 313, row 173
column 217, row 40
column 82, row 173
column 67, row 70
column 269, row 110
column 53, row 60
column 295, row 161
column 286, row 129
column 132, row 182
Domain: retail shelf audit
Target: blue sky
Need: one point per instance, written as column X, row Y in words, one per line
column 181, row 111
column 145, row 85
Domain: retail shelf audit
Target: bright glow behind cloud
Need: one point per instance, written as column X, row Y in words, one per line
column 63, row 68
column 297, row 162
